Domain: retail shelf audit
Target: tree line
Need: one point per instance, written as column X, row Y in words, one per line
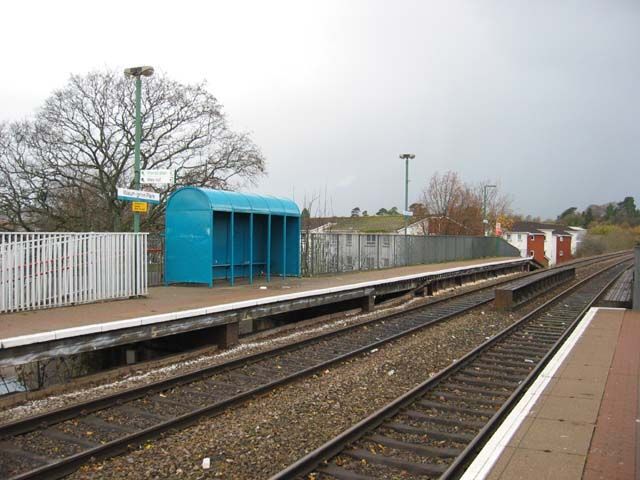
column 60, row 169
column 459, row 203
column 624, row 213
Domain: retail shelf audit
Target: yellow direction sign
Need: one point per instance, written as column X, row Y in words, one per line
column 139, row 207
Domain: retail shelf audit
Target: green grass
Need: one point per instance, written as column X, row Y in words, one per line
column 375, row 224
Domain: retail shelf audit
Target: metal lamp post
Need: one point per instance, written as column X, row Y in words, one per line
column 485, row 221
column 137, row 73
column 406, row 157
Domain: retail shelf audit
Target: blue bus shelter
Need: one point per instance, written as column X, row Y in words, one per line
column 216, row 234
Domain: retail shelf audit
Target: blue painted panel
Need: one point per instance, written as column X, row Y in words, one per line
column 260, row 241
column 276, row 245
column 188, row 247
column 293, row 246
column 221, row 250
column 201, row 245
column 241, row 244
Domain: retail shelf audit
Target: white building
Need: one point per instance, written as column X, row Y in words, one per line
column 577, row 234
column 547, row 243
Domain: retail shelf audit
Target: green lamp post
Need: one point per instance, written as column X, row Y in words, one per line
column 137, row 73
column 485, row 221
column 406, row 157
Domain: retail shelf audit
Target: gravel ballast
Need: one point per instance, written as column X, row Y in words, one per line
column 147, row 374
column 265, row 435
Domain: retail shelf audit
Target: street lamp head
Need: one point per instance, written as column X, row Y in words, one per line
column 146, row 70
column 404, row 156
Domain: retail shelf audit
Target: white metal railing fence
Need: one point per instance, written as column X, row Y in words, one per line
column 43, row 270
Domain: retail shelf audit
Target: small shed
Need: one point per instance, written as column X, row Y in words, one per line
column 216, row 234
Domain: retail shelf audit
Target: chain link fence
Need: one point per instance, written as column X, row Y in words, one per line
column 325, row 253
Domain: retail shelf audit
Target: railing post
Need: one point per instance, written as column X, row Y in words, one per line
column 337, row 252
column 636, row 278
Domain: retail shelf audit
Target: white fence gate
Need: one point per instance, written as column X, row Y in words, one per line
column 43, row 270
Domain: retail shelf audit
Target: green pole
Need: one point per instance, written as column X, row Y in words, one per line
column 406, row 192
column 136, row 182
column 484, row 210
column 406, row 209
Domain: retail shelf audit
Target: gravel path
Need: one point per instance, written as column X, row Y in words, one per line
column 265, row 435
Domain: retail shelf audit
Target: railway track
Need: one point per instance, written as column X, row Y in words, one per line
column 56, row 443
column 434, row 430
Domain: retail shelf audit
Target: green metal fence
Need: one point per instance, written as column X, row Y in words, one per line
column 325, row 253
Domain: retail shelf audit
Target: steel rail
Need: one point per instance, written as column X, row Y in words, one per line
column 484, row 434
column 333, row 447
column 27, row 424
column 69, row 464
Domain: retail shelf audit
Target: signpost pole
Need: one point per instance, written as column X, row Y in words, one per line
column 136, row 216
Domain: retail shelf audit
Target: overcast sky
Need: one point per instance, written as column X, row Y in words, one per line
column 540, row 96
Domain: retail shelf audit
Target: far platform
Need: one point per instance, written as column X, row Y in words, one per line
column 27, row 336
column 579, row 420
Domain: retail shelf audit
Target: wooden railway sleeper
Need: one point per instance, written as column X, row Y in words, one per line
column 462, row 438
column 15, row 452
column 544, row 329
column 484, row 383
column 542, row 346
column 525, row 347
column 478, row 412
column 461, row 397
column 414, row 447
column 478, row 390
column 139, row 412
column 404, row 465
column 488, row 373
column 520, row 367
column 518, row 351
column 499, row 357
column 334, row 471
column 158, row 399
column 423, row 417
column 55, row 434
column 537, row 338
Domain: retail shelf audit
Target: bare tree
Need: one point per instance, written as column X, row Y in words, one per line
column 460, row 206
column 443, row 194
column 67, row 163
column 498, row 203
column 23, row 188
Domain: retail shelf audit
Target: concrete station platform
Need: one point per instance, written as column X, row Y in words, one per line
column 29, row 336
column 581, row 418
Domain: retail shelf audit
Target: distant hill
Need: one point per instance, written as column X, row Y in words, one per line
column 372, row 224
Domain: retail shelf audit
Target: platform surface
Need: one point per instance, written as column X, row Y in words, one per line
column 584, row 425
column 165, row 301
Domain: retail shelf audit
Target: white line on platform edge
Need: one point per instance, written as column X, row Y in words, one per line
column 492, row 450
column 169, row 316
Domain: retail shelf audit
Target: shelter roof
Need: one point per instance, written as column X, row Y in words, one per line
column 226, row 201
